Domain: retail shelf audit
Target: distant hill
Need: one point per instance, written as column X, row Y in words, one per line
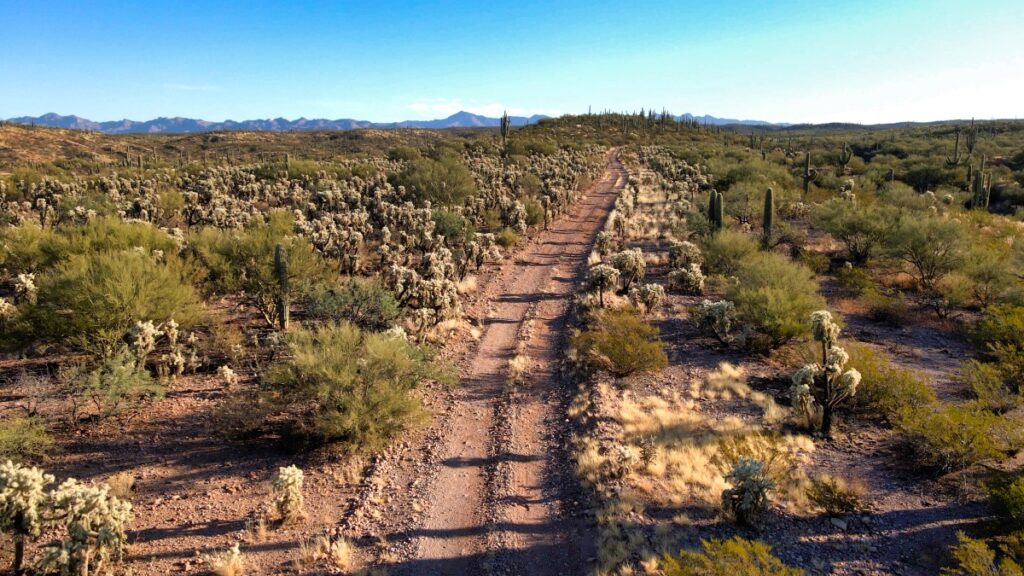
column 179, row 125
column 715, row 121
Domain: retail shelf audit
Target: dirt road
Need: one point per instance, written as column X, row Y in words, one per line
column 491, row 494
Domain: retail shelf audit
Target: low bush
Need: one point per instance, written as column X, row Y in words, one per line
column 989, row 386
column 117, row 385
column 1002, row 556
column 621, row 342
column 342, row 384
column 835, row 495
column 362, row 302
column 734, row 557
column 23, row 437
column 853, row 279
column 886, row 388
column 949, row 437
column 1007, row 500
column 727, row 251
column 253, row 250
column 507, row 238
column 93, row 300
column 884, row 308
column 775, row 297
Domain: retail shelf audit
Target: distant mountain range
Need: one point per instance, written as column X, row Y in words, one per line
column 706, row 119
column 178, row 125
column 187, row 125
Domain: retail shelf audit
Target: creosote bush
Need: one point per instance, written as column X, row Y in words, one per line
column 621, row 342
column 835, row 495
column 733, row 557
column 91, row 301
column 362, row 302
column 950, row 438
column 22, row 437
column 341, row 384
column 774, row 297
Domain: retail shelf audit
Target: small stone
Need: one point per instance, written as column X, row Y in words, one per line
column 838, row 523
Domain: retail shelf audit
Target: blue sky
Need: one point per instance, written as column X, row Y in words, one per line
column 793, row 61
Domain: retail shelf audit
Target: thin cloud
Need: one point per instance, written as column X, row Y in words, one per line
column 192, row 87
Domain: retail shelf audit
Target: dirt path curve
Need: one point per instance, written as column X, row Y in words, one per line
column 492, row 497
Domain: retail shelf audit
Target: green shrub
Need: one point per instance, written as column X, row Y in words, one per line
column 106, row 234
column 885, row 308
column 886, row 388
column 835, row 495
column 117, row 385
column 727, row 252
column 534, row 212
column 22, row 437
column 345, row 385
column 853, row 279
column 453, row 227
column 507, row 238
column 1004, row 557
column 21, row 248
column 1008, row 501
column 734, row 557
column 91, row 301
column 775, row 297
column 362, row 302
column 621, row 342
column 949, row 437
column 444, row 182
column 243, row 262
column 931, row 247
column 860, row 228
column 989, row 386
column 1001, row 324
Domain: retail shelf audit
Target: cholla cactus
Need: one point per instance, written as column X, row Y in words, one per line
column 227, row 375
column 25, row 288
column 603, row 243
column 717, row 318
column 144, row 336
column 601, row 278
column 818, row 388
column 95, row 523
column 21, row 498
column 747, row 498
column 683, row 254
column 8, row 312
column 689, row 280
column 647, row 296
column 630, row 264
column 288, row 493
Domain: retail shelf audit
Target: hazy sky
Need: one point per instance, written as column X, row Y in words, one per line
column 792, row 61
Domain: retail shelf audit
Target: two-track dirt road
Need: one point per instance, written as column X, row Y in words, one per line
column 491, row 495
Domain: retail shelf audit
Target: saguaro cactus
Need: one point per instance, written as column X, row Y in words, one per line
column 980, row 188
column 768, row 218
column 845, row 155
column 809, row 174
column 281, row 271
column 506, row 124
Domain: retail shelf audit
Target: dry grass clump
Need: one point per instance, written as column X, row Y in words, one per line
column 228, row 563
column 323, row 551
column 692, row 451
column 836, row 495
